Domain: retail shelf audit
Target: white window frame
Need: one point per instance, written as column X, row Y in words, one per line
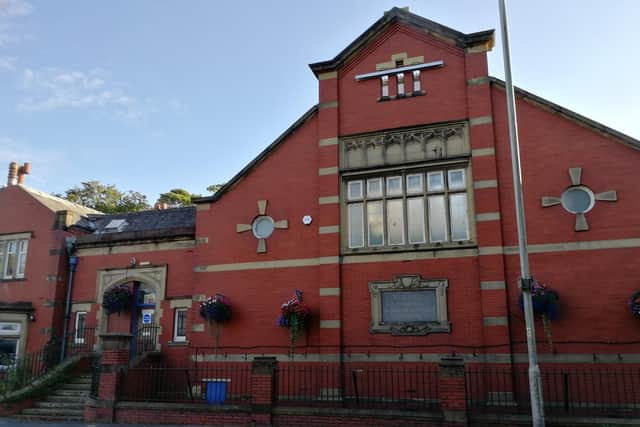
column 14, row 334
column 384, row 86
column 401, row 85
column 176, row 337
column 78, row 334
column 427, row 239
column 417, row 87
column 20, row 243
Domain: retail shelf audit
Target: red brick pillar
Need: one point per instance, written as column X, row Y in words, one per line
column 114, row 361
column 263, row 389
column 451, row 386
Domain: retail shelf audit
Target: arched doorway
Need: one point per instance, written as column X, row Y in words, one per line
column 142, row 320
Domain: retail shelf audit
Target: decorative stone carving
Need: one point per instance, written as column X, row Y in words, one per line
column 409, row 145
column 409, row 283
column 578, row 199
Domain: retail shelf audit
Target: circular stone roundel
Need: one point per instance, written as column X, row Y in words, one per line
column 262, row 226
column 577, row 199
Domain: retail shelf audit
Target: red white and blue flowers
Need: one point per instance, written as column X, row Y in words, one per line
column 294, row 315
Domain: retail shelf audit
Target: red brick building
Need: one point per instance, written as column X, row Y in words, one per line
column 396, row 187
column 33, row 264
column 389, row 204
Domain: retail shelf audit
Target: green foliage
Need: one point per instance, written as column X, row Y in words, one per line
column 177, row 197
column 106, row 198
column 116, row 299
column 214, row 187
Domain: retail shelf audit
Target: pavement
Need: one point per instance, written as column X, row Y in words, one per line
column 8, row 422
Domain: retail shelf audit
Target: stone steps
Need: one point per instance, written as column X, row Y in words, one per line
column 78, row 404
column 66, row 403
column 74, row 392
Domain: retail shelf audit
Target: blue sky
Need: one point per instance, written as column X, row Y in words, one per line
column 152, row 95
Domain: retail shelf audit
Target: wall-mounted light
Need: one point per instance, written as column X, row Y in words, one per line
column 32, row 317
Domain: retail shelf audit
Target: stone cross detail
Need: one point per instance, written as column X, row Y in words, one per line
column 262, row 226
column 579, row 199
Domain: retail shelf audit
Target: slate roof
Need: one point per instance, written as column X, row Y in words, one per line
column 56, row 203
column 145, row 225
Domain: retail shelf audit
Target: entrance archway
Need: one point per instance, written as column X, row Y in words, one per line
column 147, row 285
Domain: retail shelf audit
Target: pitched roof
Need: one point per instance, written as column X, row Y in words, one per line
column 572, row 115
column 145, row 225
column 55, row 204
column 259, row 158
column 416, row 21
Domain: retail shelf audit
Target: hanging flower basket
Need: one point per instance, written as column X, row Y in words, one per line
column 545, row 303
column 216, row 312
column 294, row 315
column 117, row 299
column 634, row 304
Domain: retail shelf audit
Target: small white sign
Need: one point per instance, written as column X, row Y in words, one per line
column 146, row 319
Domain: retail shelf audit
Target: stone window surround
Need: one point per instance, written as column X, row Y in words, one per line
column 409, row 283
column 175, row 337
column 441, row 134
column 23, row 320
column 152, row 276
column 403, row 171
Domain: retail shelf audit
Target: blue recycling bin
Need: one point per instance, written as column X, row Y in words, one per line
column 216, row 392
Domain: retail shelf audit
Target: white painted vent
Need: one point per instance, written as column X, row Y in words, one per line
column 115, row 225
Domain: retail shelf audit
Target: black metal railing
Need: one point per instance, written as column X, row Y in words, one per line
column 18, row 373
column 96, row 371
column 24, row 370
column 145, row 340
column 80, row 341
column 217, row 383
column 576, row 391
column 362, row 386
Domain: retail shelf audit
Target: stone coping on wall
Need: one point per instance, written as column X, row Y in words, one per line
column 358, row 413
column 184, row 407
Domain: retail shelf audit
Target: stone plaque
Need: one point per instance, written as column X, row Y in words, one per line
column 409, row 306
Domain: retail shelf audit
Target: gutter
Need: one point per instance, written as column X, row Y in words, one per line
column 73, row 263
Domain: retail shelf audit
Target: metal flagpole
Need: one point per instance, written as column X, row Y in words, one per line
column 535, row 384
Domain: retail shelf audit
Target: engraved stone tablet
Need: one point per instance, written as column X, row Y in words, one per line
column 409, row 306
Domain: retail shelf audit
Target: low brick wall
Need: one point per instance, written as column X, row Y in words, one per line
column 198, row 413
column 175, row 413
column 291, row 417
column 8, row 409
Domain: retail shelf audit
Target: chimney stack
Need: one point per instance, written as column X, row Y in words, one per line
column 13, row 174
column 22, row 171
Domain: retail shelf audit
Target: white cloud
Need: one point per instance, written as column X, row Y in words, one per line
column 11, row 8
column 7, row 63
column 56, row 88
column 46, row 164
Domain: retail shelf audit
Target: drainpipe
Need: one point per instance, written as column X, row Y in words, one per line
column 73, row 263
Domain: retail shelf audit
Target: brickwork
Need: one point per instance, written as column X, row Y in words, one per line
column 452, row 392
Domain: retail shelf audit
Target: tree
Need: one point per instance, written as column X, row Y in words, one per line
column 106, row 198
column 214, row 187
column 177, row 197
